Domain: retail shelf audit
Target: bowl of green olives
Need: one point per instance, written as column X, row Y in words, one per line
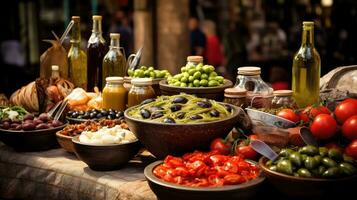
column 311, row 172
column 181, row 123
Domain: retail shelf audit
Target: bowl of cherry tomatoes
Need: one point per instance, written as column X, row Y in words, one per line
column 204, row 175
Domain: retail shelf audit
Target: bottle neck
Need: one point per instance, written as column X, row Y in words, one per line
column 114, row 43
column 307, row 36
column 76, row 34
column 97, row 27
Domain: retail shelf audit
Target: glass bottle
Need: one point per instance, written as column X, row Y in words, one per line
column 306, row 69
column 77, row 58
column 114, row 94
column 259, row 94
column 96, row 50
column 140, row 90
column 114, row 62
column 235, row 96
column 283, row 99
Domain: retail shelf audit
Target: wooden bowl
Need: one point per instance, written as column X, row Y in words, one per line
column 105, row 157
column 166, row 190
column 65, row 142
column 215, row 93
column 306, row 188
column 35, row 140
column 162, row 139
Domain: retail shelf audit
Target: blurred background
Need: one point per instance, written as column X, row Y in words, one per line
column 228, row 33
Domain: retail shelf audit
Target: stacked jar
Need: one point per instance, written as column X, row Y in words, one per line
column 140, row 90
column 236, row 97
column 283, row 99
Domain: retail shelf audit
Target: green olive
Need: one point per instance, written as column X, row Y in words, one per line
column 212, row 83
column 304, row 172
column 318, row 159
column 284, row 166
column 273, row 168
column 331, row 172
column 323, row 151
column 295, row 159
column 197, row 75
column 347, row 169
column 310, row 163
column 309, row 150
column 285, row 152
column 335, row 154
column 328, row 162
column 348, row 159
column 203, row 82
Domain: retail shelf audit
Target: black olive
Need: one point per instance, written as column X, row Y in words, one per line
column 175, row 107
column 69, row 113
column 119, row 114
column 92, row 115
column 86, row 115
column 194, row 117
column 145, row 113
column 146, row 101
column 111, row 113
column 94, row 112
column 81, row 112
column 111, row 110
column 80, row 117
column 157, row 115
column 180, row 115
column 228, row 107
column 109, row 117
column 74, row 115
column 99, row 115
column 169, row 120
column 104, row 112
column 180, row 100
column 204, row 104
column 214, row 113
column 156, row 108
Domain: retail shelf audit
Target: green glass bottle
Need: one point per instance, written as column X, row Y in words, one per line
column 77, row 58
column 114, row 62
column 306, row 70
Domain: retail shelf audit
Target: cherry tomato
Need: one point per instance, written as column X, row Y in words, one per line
column 323, row 127
column 334, row 146
column 253, row 137
column 289, row 114
column 219, row 145
column 316, row 110
column 345, row 110
column 351, row 149
column 349, row 128
column 246, row 152
column 304, row 117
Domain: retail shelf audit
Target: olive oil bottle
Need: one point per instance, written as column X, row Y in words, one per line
column 306, row 69
column 77, row 58
column 114, row 62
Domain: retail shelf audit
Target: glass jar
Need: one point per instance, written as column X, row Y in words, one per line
column 259, row 94
column 140, row 90
column 114, row 94
column 194, row 60
column 236, row 97
column 283, row 98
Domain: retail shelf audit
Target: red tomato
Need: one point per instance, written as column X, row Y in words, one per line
column 246, row 152
column 323, row 126
column 314, row 111
column 349, row 128
column 304, row 117
column 219, row 145
column 289, row 114
column 334, row 146
column 351, row 149
column 345, row 110
column 253, row 137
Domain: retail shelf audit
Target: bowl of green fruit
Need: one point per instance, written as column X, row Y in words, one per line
column 147, row 72
column 200, row 79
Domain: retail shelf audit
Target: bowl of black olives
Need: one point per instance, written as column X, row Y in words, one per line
column 75, row 116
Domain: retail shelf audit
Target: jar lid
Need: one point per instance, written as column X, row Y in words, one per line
column 114, row 79
column 76, row 18
column 196, row 59
column 249, row 70
column 55, row 67
column 308, row 23
column 141, row 81
column 114, row 35
column 97, row 17
column 235, row 92
column 282, row 93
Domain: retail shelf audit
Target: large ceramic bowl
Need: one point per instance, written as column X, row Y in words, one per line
column 308, row 188
column 215, row 93
column 105, row 157
column 162, row 139
column 35, row 140
column 171, row 191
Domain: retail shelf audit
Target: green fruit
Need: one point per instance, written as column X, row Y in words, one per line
column 139, row 73
column 273, row 168
column 190, row 79
column 143, row 68
column 303, row 157
column 151, row 68
column 304, row 172
column 190, row 85
column 192, row 71
column 285, row 152
column 204, row 76
column 323, row 151
column 203, row 83
column 130, row 72
column 295, row 158
column 212, row 83
column 177, row 83
column 197, row 75
column 220, row 79
column 183, row 85
column 320, row 170
column 162, row 74
column 186, row 74
column 335, row 154
column 184, row 79
column 328, row 162
column 178, row 76
column 208, row 69
column 147, row 73
column 309, row 150
column 184, row 69
column 310, row 163
column 331, row 172
column 199, row 68
column 213, row 74
column 196, row 83
column 347, row 169
column 269, row 163
column 318, row 158
column 152, row 74
column 285, row 166
column 348, row 159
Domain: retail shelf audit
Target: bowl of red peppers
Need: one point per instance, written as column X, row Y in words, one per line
column 204, row 175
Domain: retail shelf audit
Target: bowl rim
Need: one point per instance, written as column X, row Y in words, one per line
column 151, row 177
column 226, row 83
column 234, row 115
column 271, row 115
column 75, row 140
column 263, row 160
column 38, row 131
column 60, row 135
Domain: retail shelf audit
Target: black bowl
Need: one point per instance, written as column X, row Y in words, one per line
column 162, row 139
column 166, row 190
column 105, row 157
column 35, row 140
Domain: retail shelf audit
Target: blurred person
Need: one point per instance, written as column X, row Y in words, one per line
column 197, row 37
column 213, row 52
column 121, row 24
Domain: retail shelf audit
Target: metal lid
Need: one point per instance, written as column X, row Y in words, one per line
column 114, row 79
column 235, row 92
column 114, row 35
column 308, row 23
column 283, row 93
column 76, row 18
column 141, row 81
column 196, row 59
column 97, row 17
column 250, row 70
column 55, row 67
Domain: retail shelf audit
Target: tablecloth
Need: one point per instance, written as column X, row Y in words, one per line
column 56, row 174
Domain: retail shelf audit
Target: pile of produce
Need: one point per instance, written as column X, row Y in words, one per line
column 12, row 113
column 95, row 114
column 148, row 72
column 206, row 169
column 182, row 108
column 311, row 161
column 79, row 99
column 196, row 76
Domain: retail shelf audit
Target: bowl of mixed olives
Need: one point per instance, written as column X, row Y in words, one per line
column 311, row 172
column 74, row 116
column 180, row 123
